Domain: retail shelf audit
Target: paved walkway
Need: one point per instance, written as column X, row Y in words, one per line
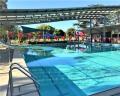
column 19, row 78
column 3, row 79
column 4, row 69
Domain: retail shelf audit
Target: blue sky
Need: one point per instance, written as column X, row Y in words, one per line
column 39, row 4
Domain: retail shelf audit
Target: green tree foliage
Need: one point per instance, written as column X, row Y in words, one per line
column 47, row 28
column 59, row 32
column 62, row 33
column 3, row 31
column 10, row 28
column 16, row 29
column 70, row 31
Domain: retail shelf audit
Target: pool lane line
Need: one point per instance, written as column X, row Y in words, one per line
column 99, row 63
column 60, row 92
column 84, row 73
column 69, row 83
column 107, row 57
column 60, row 74
column 94, row 79
column 106, row 67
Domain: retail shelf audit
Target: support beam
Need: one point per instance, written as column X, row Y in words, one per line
column 104, row 29
column 91, row 37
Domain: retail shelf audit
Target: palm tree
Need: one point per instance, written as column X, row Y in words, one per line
column 70, row 32
column 59, row 32
column 46, row 29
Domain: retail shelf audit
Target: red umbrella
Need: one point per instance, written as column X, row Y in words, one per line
column 10, row 35
column 29, row 35
column 20, row 35
column 80, row 33
column 56, row 37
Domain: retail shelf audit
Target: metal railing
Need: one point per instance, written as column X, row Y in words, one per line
column 20, row 68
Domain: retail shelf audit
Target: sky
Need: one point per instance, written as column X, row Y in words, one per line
column 40, row 4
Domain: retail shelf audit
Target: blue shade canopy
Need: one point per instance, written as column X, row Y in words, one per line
column 28, row 30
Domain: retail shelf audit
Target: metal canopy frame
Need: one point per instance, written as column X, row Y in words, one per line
column 34, row 16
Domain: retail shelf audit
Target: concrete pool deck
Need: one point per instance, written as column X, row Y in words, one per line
column 3, row 79
column 4, row 69
column 19, row 78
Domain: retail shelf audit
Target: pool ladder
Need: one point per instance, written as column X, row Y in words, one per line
column 30, row 88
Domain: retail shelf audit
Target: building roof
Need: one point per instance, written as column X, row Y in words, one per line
column 107, row 28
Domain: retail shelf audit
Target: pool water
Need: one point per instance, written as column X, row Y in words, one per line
column 66, row 72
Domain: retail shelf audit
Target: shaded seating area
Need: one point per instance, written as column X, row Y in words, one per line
column 43, row 37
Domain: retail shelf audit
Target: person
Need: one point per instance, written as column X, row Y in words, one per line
column 87, row 40
column 5, row 39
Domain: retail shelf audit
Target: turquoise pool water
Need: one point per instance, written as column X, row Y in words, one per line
column 67, row 72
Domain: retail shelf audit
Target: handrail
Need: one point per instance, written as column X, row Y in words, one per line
column 12, row 65
column 10, row 83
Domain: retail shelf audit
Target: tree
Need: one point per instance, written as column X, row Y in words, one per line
column 70, row 32
column 3, row 33
column 15, row 29
column 48, row 28
column 9, row 32
column 62, row 33
column 59, row 32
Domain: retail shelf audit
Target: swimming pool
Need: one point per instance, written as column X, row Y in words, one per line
column 66, row 72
